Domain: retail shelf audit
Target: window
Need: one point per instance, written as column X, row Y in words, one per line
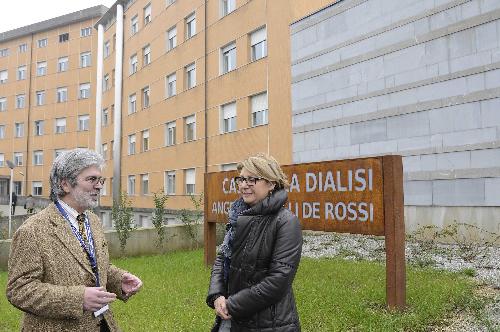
column 105, row 117
column 85, row 32
column 227, row 6
column 171, row 38
column 133, row 64
column 106, row 86
column 134, row 25
column 132, row 101
column 21, row 73
column 37, row 158
column 39, row 128
column 4, row 52
column 4, row 75
column 3, row 104
column 258, row 44
column 145, row 184
column 18, row 188
column 171, row 82
column 20, row 101
column 228, row 167
column 2, row 131
column 85, row 59
column 23, row 48
column 131, row 144
column 131, row 185
column 170, row 133
column 57, row 152
column 2, row 159
column 84, row 91
column 40, row 98
column 147, row 14
column 145, row 97
column 107, row 49
column 18, row 158
column 190, row 25
column 228, row 118
column 145, row 140
column 37, row 188
column 42, row 42
column 228, row 58
column 189, row 178
column 146, row 55
column 62, row 94
column 170, row 183
column 19, row 129
column 41, row 68
column 62, row 64
column 104, row 151
column 190, row 76
column 60, row 126
column 64, row 37
column 189, row 128
column 83, row 122
column 259, row 109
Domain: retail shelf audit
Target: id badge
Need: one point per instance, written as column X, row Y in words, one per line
column 101, row 311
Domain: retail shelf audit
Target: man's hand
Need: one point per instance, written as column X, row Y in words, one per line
column 94, row 298
column 221, row 308
column 130, row 284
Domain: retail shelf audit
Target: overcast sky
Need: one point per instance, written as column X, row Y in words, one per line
column 18, row 13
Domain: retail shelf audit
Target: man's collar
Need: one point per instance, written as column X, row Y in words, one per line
column 68, row 209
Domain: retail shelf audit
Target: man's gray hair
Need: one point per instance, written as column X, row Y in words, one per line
column 68, row 165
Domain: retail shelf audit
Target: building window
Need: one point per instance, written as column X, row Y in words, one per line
column 259, row 109
column 18, row 158
column 23, row 48
column 20, row 101
column 62, row 64
column 62, row 94
column 189, row 178
column 170, row 133
column 189, row 128
column 57, row 152
column 171, row 85
column 41, row 68
column 85, row 32
column 105, row 117
column 39, row 128
column 104, row 151
column 64, row 37
column 107, row 49
column 37, row 188
column 85, row 59
column 228, row 167
column 42, row 42
column 133, row 64
column 21, row 73
column 171, row 38
column 4, row 75
column 145, row 184
column 18, row 188
column 37, row 158
column 134, row 25
column 3, row 104
column 190, row 25
column 147, row 14
column 83, row 122
column 145, row 97
column 106, row 86
column 228, row 118
column 40, row 98
column 170, row 183
column 131, row 185
column 146, row 55
column 145, row 140
column 2, row 159
column 4, row 52
column 190, row 76
column 258, row 44
column 60, row 126
column 228, row 58
column 84, row 92
column 227, row 6
column 131, row 144
column 2, row 131
column 19, row 129
column 132, row 103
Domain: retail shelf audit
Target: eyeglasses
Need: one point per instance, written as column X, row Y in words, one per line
column 251, row 180
column 94, row 180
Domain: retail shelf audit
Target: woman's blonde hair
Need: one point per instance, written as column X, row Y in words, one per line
column 266, row 167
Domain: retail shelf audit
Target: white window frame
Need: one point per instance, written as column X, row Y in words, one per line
column 171, row 82
column 18, row 159
column 84, row 122
column 170, row 133
column 60, row 126
column 145, row 140
column 85, row 59
column 62, row 64
column 227, row 7
column 133, row 64
column 40, row 97
column 20, row 101
column 228, row 58
column 39, row 126
column 146, row 97
column 169, row 183
column 21, row 72
column 104, row 117
column 190, row 128
column 37, row 158
column 132, row 103
column 18, row 129
column 84, row 91
column 105, row 80
column 62, row 94
column 171, row 38
column 2, row 131
column 134, row 25
column 104, row 151
column 147, row 14
column 146, row 55
column 228, row 118
column 258, row 40
column 107, row 49
column 4, row 76
column 23, row 47
column 85, row 32
column 145, row 184
column 36, row 188
column 190, row 25
column 43, row 42
column 41, row 68
column 260, row 109
column 131, row 144
column 190, row 71
column 131, row 185
column 3, row 104
column 190, row 180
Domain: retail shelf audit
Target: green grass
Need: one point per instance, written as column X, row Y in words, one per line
column 332, row 295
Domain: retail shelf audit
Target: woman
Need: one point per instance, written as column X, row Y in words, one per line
column 251, row 283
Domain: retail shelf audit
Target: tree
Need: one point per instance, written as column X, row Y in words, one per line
column 122, row 216
column 158, row 214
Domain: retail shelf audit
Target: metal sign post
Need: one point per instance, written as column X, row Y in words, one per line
column 11, row 166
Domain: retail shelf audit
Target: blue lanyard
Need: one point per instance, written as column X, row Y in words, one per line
column 90, row 250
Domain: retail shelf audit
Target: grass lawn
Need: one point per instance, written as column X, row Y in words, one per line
column 332, row 295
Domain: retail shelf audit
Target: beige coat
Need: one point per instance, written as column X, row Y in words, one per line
column 48, row 272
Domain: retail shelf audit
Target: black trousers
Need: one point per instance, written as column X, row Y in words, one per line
column 104, row 326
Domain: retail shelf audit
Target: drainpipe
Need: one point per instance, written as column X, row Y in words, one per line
column 98, row 93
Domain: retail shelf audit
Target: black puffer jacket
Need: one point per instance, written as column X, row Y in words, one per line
column 266, row 252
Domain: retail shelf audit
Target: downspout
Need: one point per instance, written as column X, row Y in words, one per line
column 28, row 72
column 205, row 91
column 98, row 93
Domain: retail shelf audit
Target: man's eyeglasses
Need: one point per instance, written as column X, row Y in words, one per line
column 94, row 180
column 250, row 180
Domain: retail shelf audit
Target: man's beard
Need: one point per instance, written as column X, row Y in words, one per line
column 84, row 199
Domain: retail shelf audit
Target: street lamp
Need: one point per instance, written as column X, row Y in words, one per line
column 11, row 166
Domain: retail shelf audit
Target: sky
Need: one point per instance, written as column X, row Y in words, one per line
column 34, row 11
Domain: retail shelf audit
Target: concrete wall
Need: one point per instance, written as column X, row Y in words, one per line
column 419, row 78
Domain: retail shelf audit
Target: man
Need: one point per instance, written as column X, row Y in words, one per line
column 14, row 203
column 59, row 269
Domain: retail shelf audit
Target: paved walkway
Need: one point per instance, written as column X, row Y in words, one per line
column 4, row 209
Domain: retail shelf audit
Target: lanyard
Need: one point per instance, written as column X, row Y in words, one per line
column 90, row 250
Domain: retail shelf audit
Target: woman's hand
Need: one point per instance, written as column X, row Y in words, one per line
column 220, row 308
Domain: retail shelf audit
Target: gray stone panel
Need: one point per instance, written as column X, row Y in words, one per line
column 298, row 142
column 369, row 131
column 470, row 137
column 409, row 125
column 454, row 160
column 411, row 164
column 490, row 112
column 417, row 192
column 492, row 190
column 455, row 118
column 326, row 138
column 414, row 143
column 485, row 158
column 382, row 147
column 342, row 135
column 311, row 140
column 460, row 192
